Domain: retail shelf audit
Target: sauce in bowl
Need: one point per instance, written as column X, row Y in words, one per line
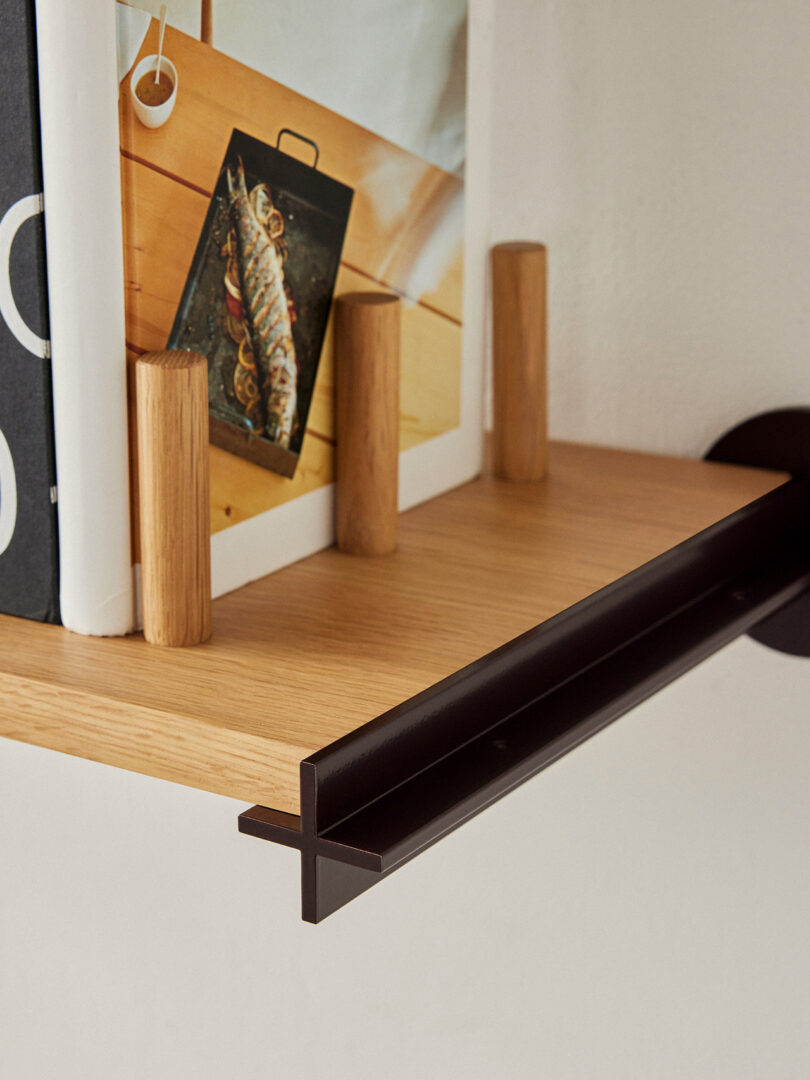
column 154, row 93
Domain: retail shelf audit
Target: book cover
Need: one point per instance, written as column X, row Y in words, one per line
column 350, row 146
column 28, row 534
column 370, row 108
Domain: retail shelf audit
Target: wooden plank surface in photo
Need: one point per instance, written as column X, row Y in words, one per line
column 162, row 222
column 399, row 197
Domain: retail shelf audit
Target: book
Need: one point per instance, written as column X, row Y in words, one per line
column 28, row 529
column 77, row 71
column 349, row 194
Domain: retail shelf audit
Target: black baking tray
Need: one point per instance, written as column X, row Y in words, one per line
column 315, row 212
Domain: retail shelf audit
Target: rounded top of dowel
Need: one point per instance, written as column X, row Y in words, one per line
column 519, row 247
column 368, row 298
column 172, row 359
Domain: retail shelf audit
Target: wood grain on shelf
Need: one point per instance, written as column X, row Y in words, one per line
column 309, row 653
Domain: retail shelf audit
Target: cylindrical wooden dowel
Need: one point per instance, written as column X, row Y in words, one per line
column 367, row 408
column 172, row 410
column 206, row 22
column 519, row 388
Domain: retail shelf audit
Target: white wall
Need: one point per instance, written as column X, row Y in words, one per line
column 661, row 148
column 639, row 910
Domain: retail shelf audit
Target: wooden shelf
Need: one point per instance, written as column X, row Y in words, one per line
column 313, row 652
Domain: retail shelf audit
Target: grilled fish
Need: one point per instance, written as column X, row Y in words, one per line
column 265, row 303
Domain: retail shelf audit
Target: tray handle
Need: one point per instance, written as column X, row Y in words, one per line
column 303, row 138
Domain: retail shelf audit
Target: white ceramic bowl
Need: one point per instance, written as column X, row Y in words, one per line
column 153, row 116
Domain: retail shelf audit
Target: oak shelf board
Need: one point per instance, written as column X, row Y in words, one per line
column 303, row 656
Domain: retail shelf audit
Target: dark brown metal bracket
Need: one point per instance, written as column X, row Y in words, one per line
column 775, row 440
column 376, row 798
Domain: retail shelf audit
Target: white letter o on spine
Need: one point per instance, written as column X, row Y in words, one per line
column 8, row 495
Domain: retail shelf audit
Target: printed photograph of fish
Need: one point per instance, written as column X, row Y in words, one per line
column 258, row 295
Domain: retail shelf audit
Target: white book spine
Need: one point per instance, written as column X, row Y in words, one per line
column 81, row 169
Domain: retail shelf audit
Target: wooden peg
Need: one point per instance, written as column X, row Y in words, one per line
column 172, row 412
column 367, row 328
column 206, row 22
column 520, row 392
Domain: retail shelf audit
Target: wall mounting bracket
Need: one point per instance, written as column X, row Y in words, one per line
column 382, row 794
column 775, row 440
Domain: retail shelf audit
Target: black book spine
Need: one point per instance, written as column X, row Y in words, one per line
column 29, row 557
